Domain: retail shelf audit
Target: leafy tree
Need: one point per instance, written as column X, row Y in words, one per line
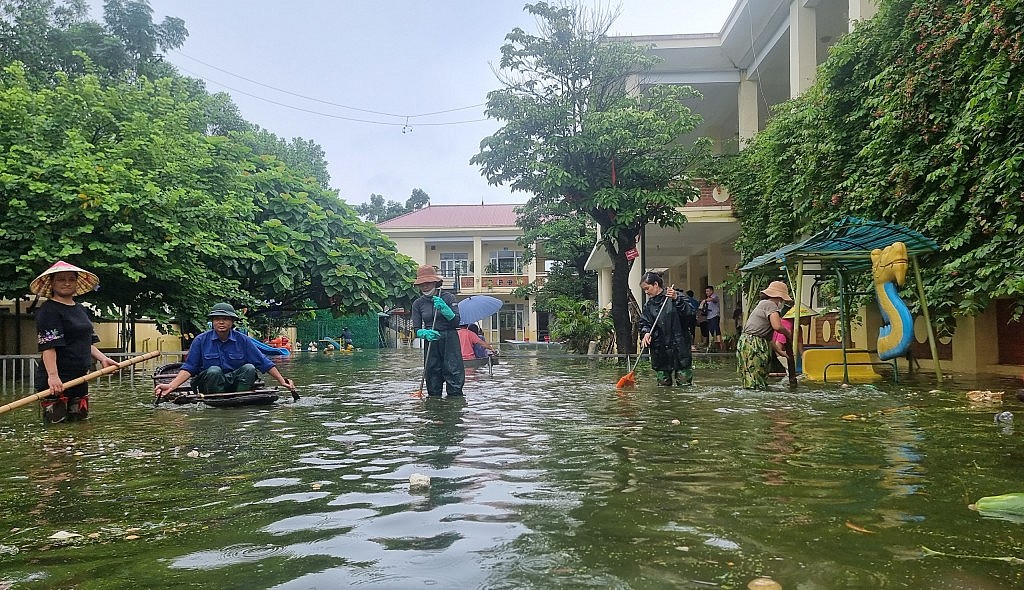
column 131, row 21
column 314, row 247
column 50, row 36
column 116, row 179
column 377, row 210
column 914, row 119
column 577, row 135
column 417, row 200
column 566, row 238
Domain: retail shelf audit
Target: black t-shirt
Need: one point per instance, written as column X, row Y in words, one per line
column 68, row 330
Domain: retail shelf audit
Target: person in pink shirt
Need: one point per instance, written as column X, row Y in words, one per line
column 470, row 339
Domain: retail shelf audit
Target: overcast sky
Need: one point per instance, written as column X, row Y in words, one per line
column 292, row 66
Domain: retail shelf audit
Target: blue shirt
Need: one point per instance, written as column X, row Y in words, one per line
column 208, row 350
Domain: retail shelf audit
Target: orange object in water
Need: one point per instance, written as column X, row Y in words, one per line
column 628, row 380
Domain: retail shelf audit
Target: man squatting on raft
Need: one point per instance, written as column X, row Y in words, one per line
column 442, row 364
column 223, row 360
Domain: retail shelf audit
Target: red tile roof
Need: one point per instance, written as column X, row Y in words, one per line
column 437, row 216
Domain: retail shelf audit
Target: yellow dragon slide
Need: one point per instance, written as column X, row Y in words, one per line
column 889, row 271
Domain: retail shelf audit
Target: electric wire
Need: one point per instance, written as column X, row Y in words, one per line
column 327, row 102
column 406, row 125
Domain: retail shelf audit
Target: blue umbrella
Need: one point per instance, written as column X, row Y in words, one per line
column 474, row 308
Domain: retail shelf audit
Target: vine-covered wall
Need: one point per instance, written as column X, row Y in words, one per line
column 917, row 118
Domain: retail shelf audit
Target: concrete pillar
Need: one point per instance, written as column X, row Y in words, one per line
column 716, row 266
column 861, row 10
column 478, row 266
column 803, row 48
column 604, row 287
column 694, row 272
column 748, row 110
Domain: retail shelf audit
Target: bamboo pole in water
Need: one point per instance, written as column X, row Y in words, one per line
column 79, row 380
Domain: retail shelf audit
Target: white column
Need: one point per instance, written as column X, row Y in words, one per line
column 478, row 265
column 748, row 110
column 803, row 48
column 716, row 270
column 861, row 10
column 604, row 287
column 693, row 275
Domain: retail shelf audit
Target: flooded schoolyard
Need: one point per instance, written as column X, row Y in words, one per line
column 542, row 477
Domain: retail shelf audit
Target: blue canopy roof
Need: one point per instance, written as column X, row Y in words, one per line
column 846, row 244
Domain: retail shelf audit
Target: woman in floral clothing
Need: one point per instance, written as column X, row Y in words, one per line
column 67, row 340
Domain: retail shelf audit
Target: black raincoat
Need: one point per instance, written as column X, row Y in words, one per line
column 670, row 338
column 442, row 358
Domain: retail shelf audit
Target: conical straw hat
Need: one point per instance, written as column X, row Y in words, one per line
column 43, row 284
column 805, row 312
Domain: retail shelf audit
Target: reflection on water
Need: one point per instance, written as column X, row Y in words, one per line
column 542, row 477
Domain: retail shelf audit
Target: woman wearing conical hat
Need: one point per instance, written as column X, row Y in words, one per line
column 753, row 349
column 67, row 340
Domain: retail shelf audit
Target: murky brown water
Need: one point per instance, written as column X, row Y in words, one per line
column 543, row 477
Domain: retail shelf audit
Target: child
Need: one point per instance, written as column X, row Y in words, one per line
column 664, row 323
column 435, row 317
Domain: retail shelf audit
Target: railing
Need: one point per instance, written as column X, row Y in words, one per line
column 18, row 371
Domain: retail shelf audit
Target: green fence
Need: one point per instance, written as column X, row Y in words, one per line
column 364, row 329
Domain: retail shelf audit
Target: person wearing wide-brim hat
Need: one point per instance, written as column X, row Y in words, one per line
column 753, row 349
column 223, row 360
column 67, row 340
column 435, row 318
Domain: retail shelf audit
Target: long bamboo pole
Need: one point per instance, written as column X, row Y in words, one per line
column 79, row 380
column 927, row 319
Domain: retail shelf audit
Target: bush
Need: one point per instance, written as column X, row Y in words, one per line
column 576, row 323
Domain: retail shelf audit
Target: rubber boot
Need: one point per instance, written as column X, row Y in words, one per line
column 684, row 377
column 664, row 378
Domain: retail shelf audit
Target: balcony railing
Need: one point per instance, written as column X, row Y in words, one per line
column 488, row 282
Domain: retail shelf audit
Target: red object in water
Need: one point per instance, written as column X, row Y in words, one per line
column 547, row 339
column 526, row 338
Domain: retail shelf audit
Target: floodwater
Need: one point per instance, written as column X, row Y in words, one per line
column 543, row 477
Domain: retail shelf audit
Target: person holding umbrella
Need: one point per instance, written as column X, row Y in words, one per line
column 435, row 318
column 67, row 340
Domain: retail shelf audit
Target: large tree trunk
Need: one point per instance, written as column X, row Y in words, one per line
column 620, row 298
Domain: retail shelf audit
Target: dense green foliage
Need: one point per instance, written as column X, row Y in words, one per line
column 116, row 163
column 915, row 119
column 377, row 210
column 578, row 137
column 576, row 323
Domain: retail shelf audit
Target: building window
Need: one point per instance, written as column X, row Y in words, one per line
column 453, row 263
column 506, row 262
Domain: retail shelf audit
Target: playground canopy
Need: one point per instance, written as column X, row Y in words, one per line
column 846, row 244
column 844, row 248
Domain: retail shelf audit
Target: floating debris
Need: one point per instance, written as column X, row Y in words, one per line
column 980, row 395
column 64, row 535
column 764, row 583
column 418, row 480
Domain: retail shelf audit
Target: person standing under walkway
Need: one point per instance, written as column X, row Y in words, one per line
column 714, row 307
